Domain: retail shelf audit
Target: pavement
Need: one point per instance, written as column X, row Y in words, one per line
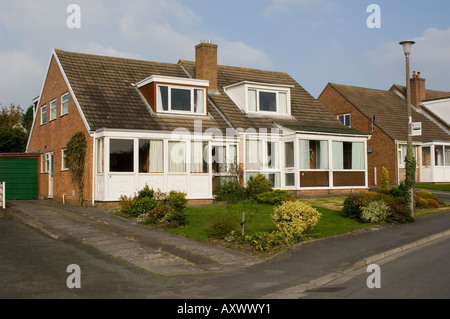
column 164, row 254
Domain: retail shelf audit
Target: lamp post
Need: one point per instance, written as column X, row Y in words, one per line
column 407, row 50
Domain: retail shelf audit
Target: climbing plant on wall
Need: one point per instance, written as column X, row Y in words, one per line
column 75, row 161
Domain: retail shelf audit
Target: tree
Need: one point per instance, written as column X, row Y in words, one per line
column 75, row 160
column 13, row 136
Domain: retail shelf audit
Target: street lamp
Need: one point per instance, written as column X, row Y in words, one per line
column 407, row 50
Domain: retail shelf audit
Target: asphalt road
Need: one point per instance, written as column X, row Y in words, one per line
column 421, row 274
column 34, row 266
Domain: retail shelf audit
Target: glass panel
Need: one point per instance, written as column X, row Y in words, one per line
column 338, row 155
column 447, row 156
column 177, row 157
column 439, row 155
column 252, row 100
column 274, row 178
column 282, row 102
column 426, row 156
column 144, row 156
column 289, row 154
column 121, row 155
column 100, row 155
column 44, row 114
column 180, row 99
column 272, row 155
column 156, row 157
column 253, row 155
column 267, row 101
column 53, row 110
column 163, row 98
column 290, row 179
column 65, row 104
column 199, row 163
column 358, row 156
column 199, row 101
column 219, row 160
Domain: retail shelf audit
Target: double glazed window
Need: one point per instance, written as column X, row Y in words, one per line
column 345, row 119
column 53, row 110
column 65, row 104
column 267, row 101
column 348, row 155
column 313, row 154
column 43, row 114
column 151, row 156
column 181, row 99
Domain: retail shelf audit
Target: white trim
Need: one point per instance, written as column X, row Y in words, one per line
column 261, row 84
column 172, row 80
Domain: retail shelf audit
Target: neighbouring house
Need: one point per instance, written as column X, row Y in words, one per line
column 383, row 115
column 187, row 126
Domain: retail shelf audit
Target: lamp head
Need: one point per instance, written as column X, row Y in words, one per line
column 407, row 46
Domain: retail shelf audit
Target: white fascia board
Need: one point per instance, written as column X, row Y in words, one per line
column 38, row 99
column 71, row 92
column 259, row 84
column 172, row 80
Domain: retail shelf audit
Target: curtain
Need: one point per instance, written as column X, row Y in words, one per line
column 282, row 103
column 197, row 157
column 323, row 155
column 439, row 155
column 447, row 156
column 177, row 157
column 156, row 157
column 252, row 100
column 358, row 155
column 304, row 154
column 338, row 155
column 199, row 101
column 253, row 158
column 274, row 155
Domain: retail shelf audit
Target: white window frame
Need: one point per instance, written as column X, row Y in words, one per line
column 43, row 112
column 345, row 116
column 53, row 107
column 277, row 92
column 159, row 108
column 64, row 110
column 42, row 164
column 63, row 160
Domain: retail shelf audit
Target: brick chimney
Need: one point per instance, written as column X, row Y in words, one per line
column 418, row 91
column 206, row 63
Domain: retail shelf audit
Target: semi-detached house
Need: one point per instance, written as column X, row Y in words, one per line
column 187, row 126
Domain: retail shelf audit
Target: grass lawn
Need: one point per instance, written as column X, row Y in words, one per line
column 438, row 187
column 259, row 219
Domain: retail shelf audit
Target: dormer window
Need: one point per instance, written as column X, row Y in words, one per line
column 267, row 101
column 180, row 99
column 261, row 98
column 175, row 95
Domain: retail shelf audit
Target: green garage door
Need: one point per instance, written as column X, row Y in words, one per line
column 20, row 176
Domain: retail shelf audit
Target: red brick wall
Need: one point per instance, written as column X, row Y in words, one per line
column 384, row 151
column 54, row 135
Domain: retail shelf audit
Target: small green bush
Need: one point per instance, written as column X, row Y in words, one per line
column 126, row 202
column 275, row 197
column 223, row 224
column 266, row 242
column 256, row 185
column 176, row 200
column 147, row 218
column 230, row 191
column 375, row 212
column 146, row 192
column 400, row 191
column 293, row 219
column 385, row 179
column 142, row 206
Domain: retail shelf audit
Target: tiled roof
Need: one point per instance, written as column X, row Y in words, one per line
column 390, row 112
column 104, row 89
column 306, row 111
column 429, row 94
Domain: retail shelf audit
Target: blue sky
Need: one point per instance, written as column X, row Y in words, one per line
column 315, row 41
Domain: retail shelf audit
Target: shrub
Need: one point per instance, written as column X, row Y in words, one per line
column 432, row 203
column 256, row 185
column 146, row 192
column 354, row 203
column 223, row 225
column 265, row 242
column 385, row 179
column 293, row 219
column 160, row 212
column 275, row 197
column 147, row 218
column 399, row 214
column 400, row 191
column 230, row 191
column 176, row 219
column 375, row 212
column 142, row 206
column 176, row 200
column 126, row 202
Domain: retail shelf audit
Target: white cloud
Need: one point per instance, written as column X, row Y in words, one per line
column 430, row 56
column 20, row 73
column 287, row 6
column 241, row 55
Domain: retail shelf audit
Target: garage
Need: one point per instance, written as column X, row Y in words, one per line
column 20, row 174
